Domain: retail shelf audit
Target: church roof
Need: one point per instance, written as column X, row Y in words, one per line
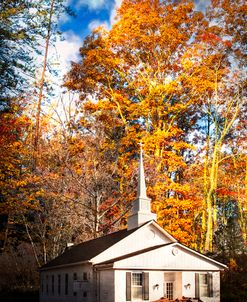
column 88, row 249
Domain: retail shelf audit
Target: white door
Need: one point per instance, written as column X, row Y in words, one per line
column 169, row 285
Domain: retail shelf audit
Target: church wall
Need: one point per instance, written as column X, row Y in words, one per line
column 189, row 291
column 158, row 281
column 111, row 285
column 106, row 285
column 188, row 278
column 80, row 284
column 156, row 284
column 154, row 278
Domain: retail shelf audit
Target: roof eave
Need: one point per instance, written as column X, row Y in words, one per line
column 64, row 265
column 162, row 230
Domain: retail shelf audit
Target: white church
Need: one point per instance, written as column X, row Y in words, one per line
column 140, row 263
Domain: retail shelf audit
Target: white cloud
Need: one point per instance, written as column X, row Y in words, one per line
column 117, row 4
column 60, row 56
column 91, row 4
column 96, row 23
column 201, row 5
column 67, row 50
column 64, row 18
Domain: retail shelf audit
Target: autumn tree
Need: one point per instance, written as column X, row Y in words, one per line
column 134, row 71
column 23, row 30
column 14, row 153
column 216, row 77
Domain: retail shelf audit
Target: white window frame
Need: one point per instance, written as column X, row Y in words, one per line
column 137, row 285
column 204, row 284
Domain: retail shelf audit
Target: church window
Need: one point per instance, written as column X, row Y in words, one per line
column 42, row 285
column 136, row 279
column 52, row 284
column 66, row 284
column 137, row 286
column 85, row 276
column 59, row 284
column 47, row 284
column 204, row 285
column 75, row 279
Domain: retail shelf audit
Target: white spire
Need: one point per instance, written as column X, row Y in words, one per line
column 141, row 191
column 141, row 210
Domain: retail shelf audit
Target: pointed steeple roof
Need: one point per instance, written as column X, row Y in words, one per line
column 141, row 210
column 141, row 191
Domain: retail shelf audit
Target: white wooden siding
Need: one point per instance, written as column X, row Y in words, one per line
column 163, row 258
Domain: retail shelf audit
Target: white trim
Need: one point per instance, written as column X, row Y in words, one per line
column 155, row 224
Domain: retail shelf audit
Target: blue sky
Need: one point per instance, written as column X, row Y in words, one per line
column 90, row 12
column 89, row 15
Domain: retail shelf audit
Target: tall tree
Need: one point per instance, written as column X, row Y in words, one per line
column 216, row 77
column 50, row 11
column 134, row 73
column 13, row 33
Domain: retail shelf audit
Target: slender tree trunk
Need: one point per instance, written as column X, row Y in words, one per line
column 41, row 87
column 242, row 208
column 31, row 241
column 44, row 252
column 6, row 234
column 96, row 216
column 211, row 199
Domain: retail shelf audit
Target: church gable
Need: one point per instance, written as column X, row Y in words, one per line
column 148, row 235
column 173, row 256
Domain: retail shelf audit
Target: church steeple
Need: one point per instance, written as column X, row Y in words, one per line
column 141, row 191
column 141, row 211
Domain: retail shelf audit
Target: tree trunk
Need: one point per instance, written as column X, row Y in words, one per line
column 41, row 87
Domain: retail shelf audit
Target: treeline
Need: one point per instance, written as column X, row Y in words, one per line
column 164, row 74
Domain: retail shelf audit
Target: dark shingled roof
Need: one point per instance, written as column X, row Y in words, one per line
column 87, row 250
